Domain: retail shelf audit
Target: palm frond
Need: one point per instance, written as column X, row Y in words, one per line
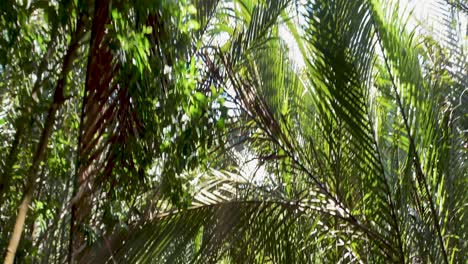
column 414, row 88
column 229, row 218
column 343, row 148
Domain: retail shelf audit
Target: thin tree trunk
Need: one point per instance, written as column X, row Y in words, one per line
column 5, row 180
column 59, row 99
column 30, row 185
column 62, row 239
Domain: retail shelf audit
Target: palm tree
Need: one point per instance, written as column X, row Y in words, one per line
column 355, row 121
column 125, row 117
column 363, row 151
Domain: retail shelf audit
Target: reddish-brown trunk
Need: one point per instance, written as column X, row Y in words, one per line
column 98, row 83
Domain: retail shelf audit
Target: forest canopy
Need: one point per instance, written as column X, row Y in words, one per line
column 233, row 131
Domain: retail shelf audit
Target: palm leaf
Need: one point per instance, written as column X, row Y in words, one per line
column 244, row 226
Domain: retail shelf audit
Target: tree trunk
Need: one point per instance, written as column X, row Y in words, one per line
column 5, row 180
column 59, row 99
column 30, row 185
column 98, row 69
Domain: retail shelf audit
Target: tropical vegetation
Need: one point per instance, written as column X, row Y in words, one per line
column 233, row 131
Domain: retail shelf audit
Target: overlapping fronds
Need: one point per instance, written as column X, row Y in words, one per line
column 356, row 147
column 341, row 123
column 232, row 219
column 358, row 156
column 424, row 120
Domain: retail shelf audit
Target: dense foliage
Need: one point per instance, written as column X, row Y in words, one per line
column 232, row 131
